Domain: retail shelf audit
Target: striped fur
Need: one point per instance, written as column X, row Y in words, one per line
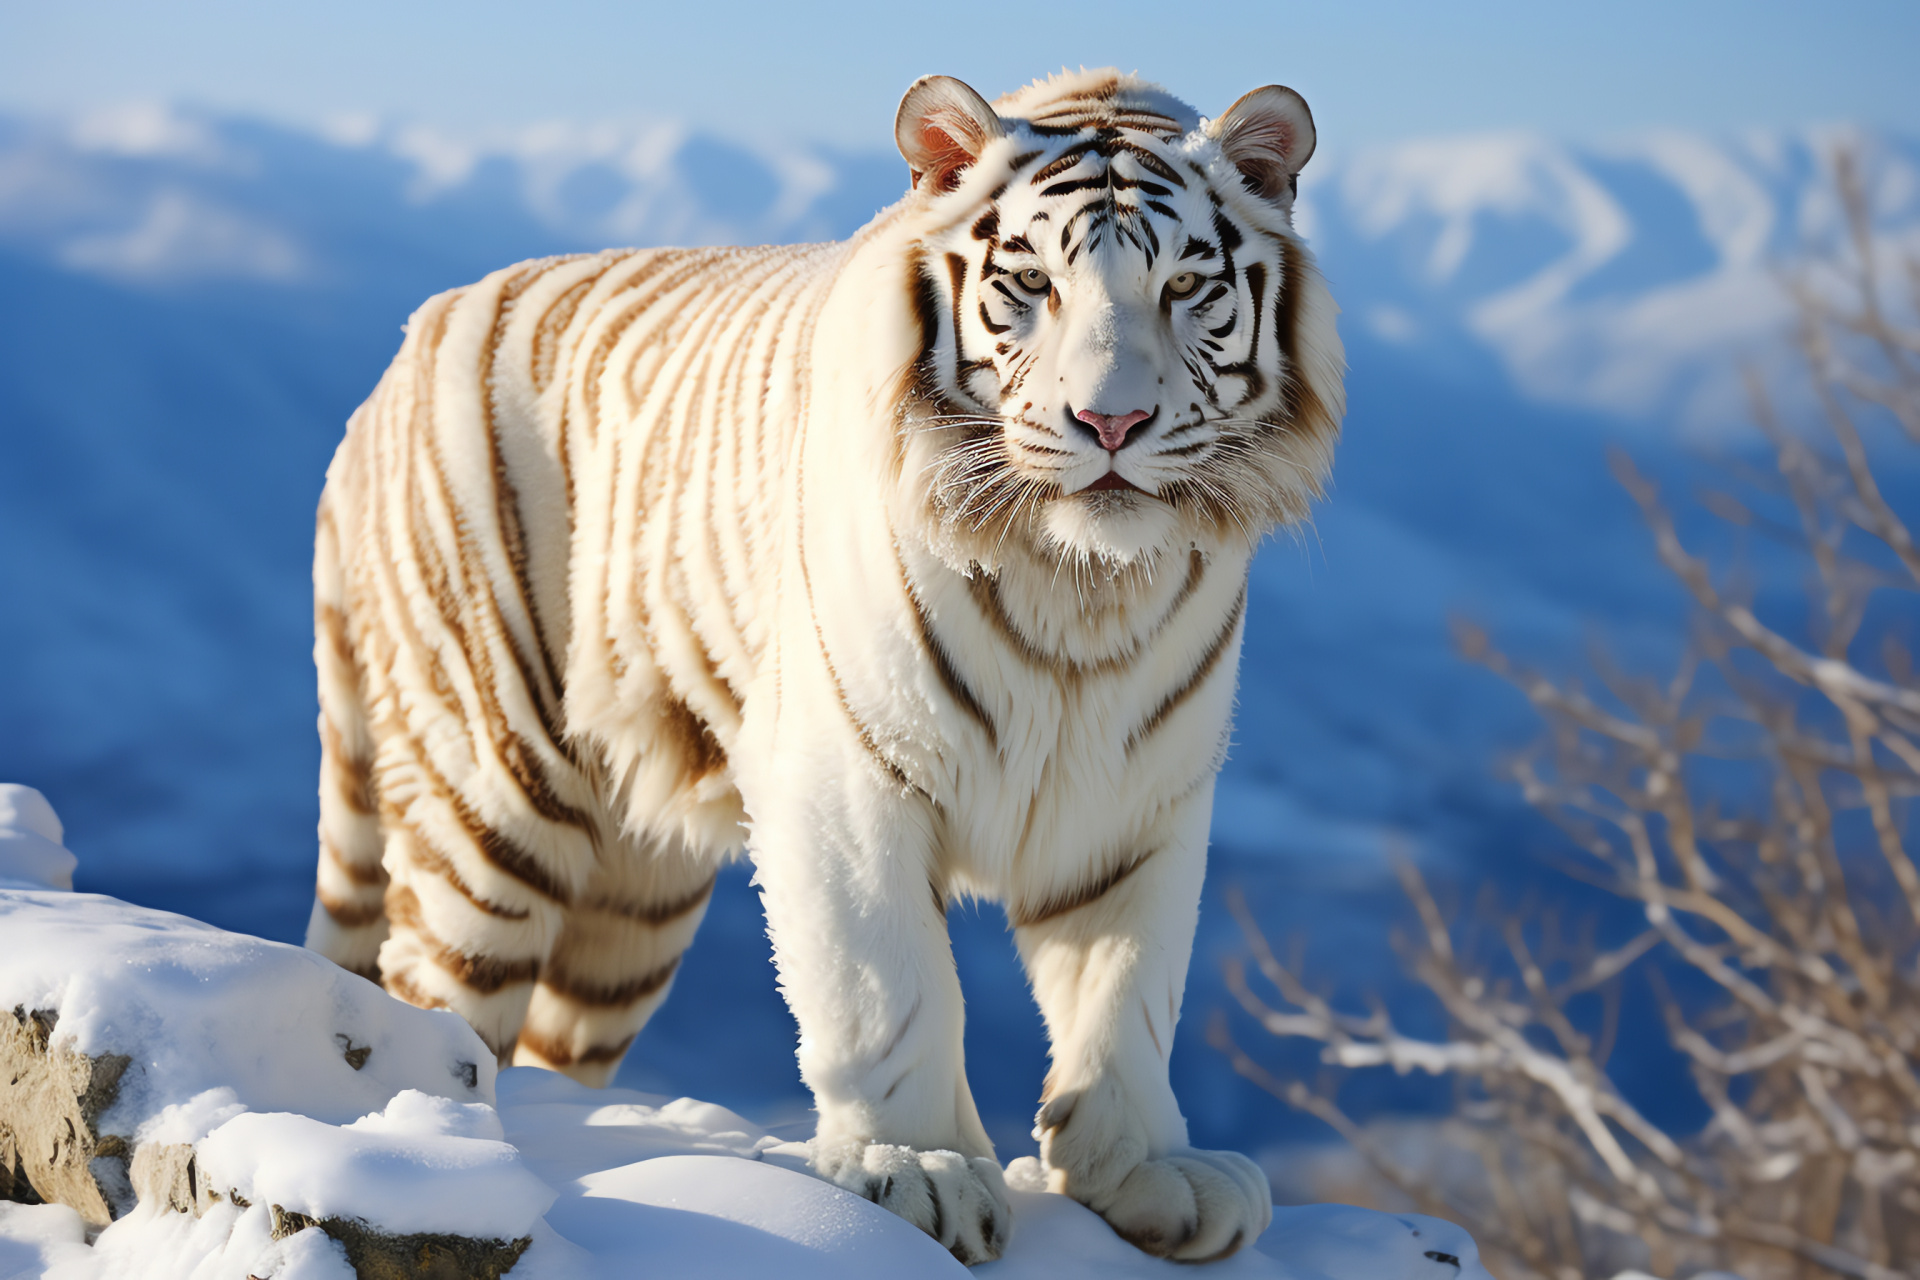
column 637, row 559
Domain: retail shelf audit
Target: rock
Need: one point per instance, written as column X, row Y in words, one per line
column 51, row 1101
column 164, row 1174
column 379, row 1255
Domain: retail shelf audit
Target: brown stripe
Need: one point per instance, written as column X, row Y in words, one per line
column 860, row 729
column 485, row 974
column 1303, row 406
column 399, row 985
column 352, row 776
column 371, row 875
column 348, row 915
column 920, row 381
column 561, row 1056
column 660, row 463
column 1059, row 904
column 429, row 859
column 695, row 739
column 496, row 848
column 332, row 624
column 1210, row 659
column 506, row 505
column 614, row 323
column 1100, row 90
column 1196, row 571
column 865, row 735
column 544, row 348
column 958, row 270
column 725, row 481
column 943, row 664
column 476, row 589
column 655, row 914
column 607, row 1052
column 601, row 995
column 985, row 591
column 512, row 858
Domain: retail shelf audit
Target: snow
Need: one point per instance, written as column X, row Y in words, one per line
column 241, row 1046
column 228, row 1243
column 183, row 237
column 721, row 1216
column 413, row 1167
column 1337, row 1240
column 220, row 1022
column 35, row 1238
column 1625, row 277
column 31, row 855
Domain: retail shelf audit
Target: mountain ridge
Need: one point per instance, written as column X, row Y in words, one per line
column 1615, row 276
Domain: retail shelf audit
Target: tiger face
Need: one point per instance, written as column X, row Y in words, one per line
column 1126, row 347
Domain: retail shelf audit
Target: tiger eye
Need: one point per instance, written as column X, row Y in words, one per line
column 1033, row 280
column 1184, row 285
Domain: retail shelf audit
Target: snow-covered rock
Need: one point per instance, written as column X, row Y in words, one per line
column 218, row 1023
column 280, row 1118
column 131, row 1034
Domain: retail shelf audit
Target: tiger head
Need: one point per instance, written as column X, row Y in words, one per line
column 1125, row 348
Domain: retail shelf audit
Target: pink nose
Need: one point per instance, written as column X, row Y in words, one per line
column 1112, row 430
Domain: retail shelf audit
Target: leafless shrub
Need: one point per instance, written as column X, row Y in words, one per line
column 1752, row 808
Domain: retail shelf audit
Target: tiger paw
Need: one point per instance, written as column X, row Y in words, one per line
column 960, row 1202
column 1191, row 1206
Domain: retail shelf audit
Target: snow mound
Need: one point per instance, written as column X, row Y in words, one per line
column 320, row 1113
column 35, row 1238
column 713, row 1195
column 31, row 855
column 423, row 1165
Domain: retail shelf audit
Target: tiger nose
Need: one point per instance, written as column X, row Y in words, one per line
column 1112, row 430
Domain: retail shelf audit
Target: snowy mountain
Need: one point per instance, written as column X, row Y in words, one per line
column 1615, row 277
column 195, row 304
column 1620, row 278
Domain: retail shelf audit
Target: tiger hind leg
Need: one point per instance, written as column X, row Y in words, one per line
column 349, row 920
column 615, row 959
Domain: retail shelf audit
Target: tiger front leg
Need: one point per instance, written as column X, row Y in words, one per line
column 1108, row 964
column 860, row 941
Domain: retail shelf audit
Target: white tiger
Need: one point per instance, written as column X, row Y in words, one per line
column 916, row 564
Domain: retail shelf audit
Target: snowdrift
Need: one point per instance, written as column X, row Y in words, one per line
column 198, row 1103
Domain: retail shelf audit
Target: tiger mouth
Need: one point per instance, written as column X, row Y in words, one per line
column 1111, row 481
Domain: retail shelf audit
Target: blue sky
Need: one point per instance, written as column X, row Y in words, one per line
column 1373, row 71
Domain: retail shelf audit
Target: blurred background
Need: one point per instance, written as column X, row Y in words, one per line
column 1552, row 230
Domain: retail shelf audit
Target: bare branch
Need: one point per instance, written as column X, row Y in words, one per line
column 1768, row 887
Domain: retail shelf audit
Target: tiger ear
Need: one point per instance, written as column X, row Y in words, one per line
column 1269, row 136
column 942, row 127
